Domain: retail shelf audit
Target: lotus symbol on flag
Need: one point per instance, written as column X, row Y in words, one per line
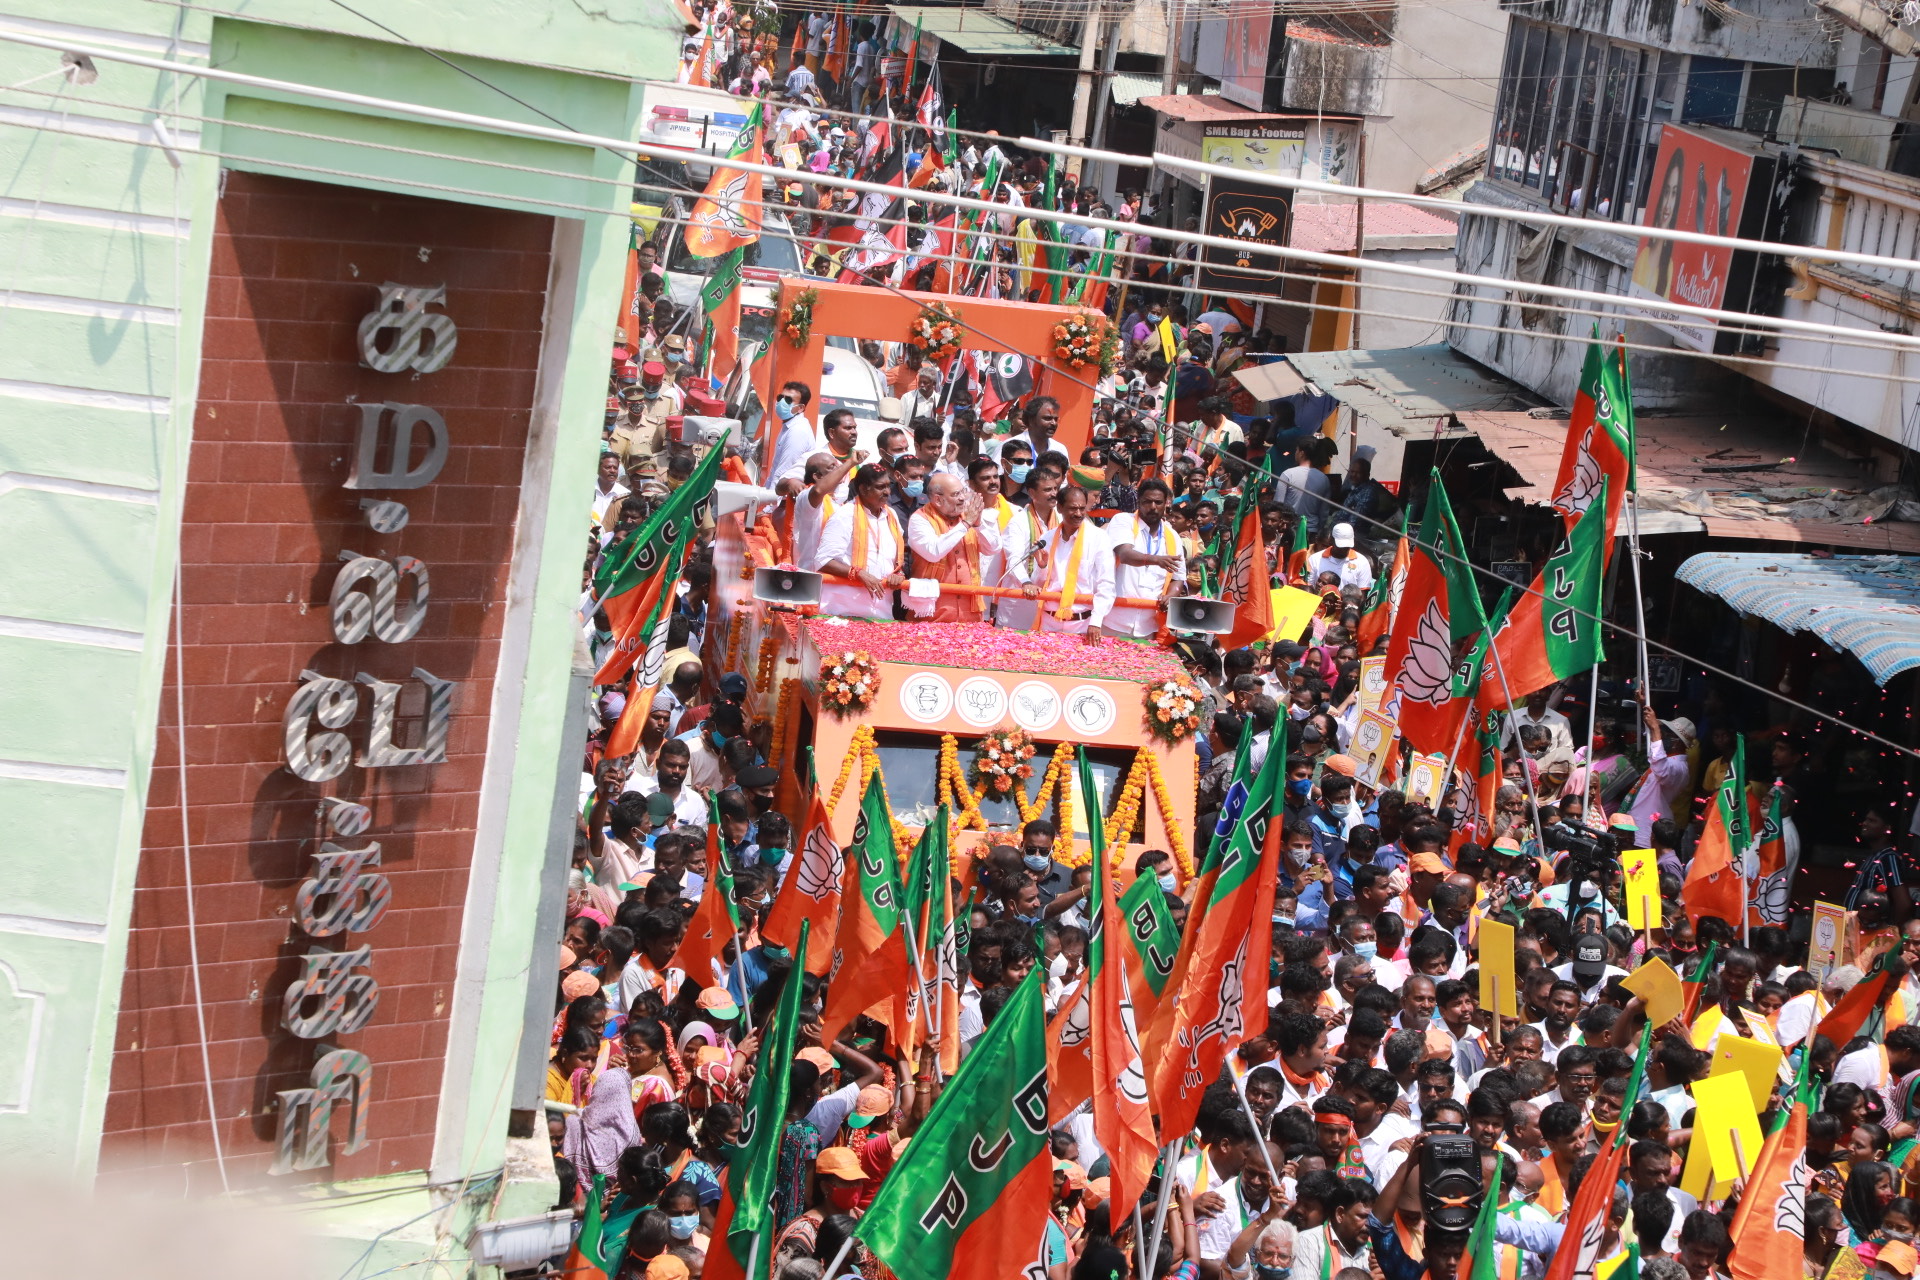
column 1790, row 1210
column 1079, row 1023
column 822, row 864
column 1427, row 673
column 1583, row 486
column 1770, row 897
column 723, row 214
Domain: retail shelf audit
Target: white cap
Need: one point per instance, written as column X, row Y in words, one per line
column 1343, row 535
column 1364, row 453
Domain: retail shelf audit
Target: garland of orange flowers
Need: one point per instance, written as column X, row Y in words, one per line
column 783, row 719
column 1182, row 855
column 763, row 665
column 961, row 802
column 860, row 750
column 1126, row 810
column 736, row 631
column 1058, row 778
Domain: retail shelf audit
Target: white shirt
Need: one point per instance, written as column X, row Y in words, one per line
column 1216, row 1234
column 604, row 499
column 1353, row 569
column 808, row 518
column 1797, row 1017
column 1549, row 1051
column 689, row 807
column 1559, row 729
column 791, row 451
column 1142, row 581
column 885, row 555
column 1374, row 1147
column 1093, row 582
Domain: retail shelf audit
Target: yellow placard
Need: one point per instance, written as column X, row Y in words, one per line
column 1846, row 1265
column 1372, row 746
column 1373, row 681
column 1758, row 1063
column 1496, row 969
column 1699, row 1171
column 1658, row 986
column 1293, row 609
column 1642, row 888
column 1729, row 1121
column 1426, row 778
column 1829, row 935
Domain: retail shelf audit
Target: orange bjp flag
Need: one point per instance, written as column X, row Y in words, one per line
column 871, row 966
column 715, row 921
column 811, row 891
column 1769, row 1227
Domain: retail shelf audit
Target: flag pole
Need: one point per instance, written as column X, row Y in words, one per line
column 1169, row 1155
column 919, row 972
column 1140, row 1241
column 833, row 1268
column 753, row 1254
column 1526, row 774
column 1259, row 1136
column 1459, row 740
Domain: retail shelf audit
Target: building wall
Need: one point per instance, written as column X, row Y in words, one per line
column 111, row 241
column 1442, row 73
column 267, row 523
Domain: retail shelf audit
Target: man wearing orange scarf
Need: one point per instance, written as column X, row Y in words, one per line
column 950, row 542
column 863, row 541
column 1078, row 563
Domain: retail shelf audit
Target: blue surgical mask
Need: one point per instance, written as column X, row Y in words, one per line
column 1262, row 1271
column 1366, row 950
column 784, row 410
column 1299, row 787
column 916, row 488
column 1341, row 810
column 1037, row 865
column 1029, row 921
column 1285, row 920
column 717, row 738
column 683, row 1225
column 1170, row 882
column 1018, row 472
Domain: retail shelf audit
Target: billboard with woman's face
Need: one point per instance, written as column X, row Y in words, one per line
column 1698, row 185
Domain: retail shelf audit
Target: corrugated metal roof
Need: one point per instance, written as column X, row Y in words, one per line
column 1411, row 391
column 977, row 31
column 1868, row 606
column 1208, row 108
column 1128, row 88
column 1329, row 227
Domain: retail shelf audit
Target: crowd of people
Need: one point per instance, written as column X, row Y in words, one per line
column 1322, row 1149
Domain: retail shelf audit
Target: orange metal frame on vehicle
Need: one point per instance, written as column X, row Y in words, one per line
column 864, row 311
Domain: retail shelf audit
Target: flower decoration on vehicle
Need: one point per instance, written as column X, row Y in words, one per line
column 1002, row 763
column 798, row 324
column 936, row 331
column 1172, row 708
column 1085, row 339
column 849, row 683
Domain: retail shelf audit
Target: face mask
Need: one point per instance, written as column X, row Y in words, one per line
column 845, row 1199
column 651, row 393
column 1341, row 810
column 1285, row 920
column 1262, row 1271
column 1299, row 787
column 1018, row 472
column 682, row 1225
column 1029, row 921
column 772, row 857
column 784, row 410
column 916, row 488
column 1300, row 713
column 1169, row 882
column 1036, row 865
column 717, row 738
column 1366, row 950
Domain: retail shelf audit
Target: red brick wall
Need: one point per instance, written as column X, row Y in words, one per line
column 295, row 267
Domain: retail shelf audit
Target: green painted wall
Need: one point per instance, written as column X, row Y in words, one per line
column 106, row 244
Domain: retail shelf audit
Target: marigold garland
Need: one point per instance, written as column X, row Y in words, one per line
column 1182, row 855
column 848, row 683
column 763, row 663
column 1082, row 339
column 798, row 325
column 783, row 721
column 1000, row 762
column 1171, row 708
column 736, row 631
column 936, row 331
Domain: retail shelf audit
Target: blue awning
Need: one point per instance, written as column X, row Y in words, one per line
column 1868, row 606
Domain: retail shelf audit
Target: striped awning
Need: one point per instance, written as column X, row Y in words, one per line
column 1868, row 606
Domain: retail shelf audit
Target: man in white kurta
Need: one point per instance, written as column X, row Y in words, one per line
column 951, row 542
column 1149, row 562
column 863, row 541
column 1076, row 556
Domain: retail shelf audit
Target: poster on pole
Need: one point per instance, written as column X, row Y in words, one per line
column 1373, row 681
column 1372, row 746
column 1426, row 778
column 1829, row 934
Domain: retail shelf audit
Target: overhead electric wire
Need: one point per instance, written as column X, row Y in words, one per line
column 962, row 202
